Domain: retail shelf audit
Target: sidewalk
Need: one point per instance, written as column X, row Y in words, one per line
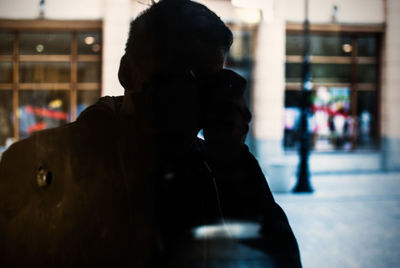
column 349, row 221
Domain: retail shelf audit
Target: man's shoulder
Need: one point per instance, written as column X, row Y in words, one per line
column 106, row 107
column 100, row 115
column 92, row 133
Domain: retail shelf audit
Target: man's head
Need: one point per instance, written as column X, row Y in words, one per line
column 169, row 44
column 173, row 36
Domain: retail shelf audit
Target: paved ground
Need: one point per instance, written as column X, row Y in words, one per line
column 349, row 221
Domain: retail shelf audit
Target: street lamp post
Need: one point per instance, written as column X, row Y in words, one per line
column 41, row 9
column 303, row 176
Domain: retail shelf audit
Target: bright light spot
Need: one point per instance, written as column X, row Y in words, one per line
column 347, row 48
column 236, row 230
column 308, row 85
column 96, row 48
column 89, row 40
column 200, row 135
column 9, row 141
column 39, row 48
column 54, row 104
column 249, row 15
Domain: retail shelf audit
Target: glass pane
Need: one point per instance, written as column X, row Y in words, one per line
column 331, row 73
column 366, row 73
column 6, row 43
column 321, row 73
column 89, row 43
column 292, row 98
column 294, row 44
column 45, row 43
column 367, row 46
column 6, row 118
column 42, row 109
column 6, row 72
column 240, row 46
column 240, row 54
column 331, row 123
column 327, row 45
column 366, row 113
column 44, row 72
column 321, row 45
column 293, row 72
column 87, row 98
column 88, row 71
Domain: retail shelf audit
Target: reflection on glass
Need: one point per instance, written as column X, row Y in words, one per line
column 6, row 43
column 42, row 109
column 44, row 72
column 89, row 43
column 366, row 73
column 45, row 43
column 87, row 98
column 6, row 118
column 367, row 46
column 89, row 72
column 6, row 72
column 366, row 110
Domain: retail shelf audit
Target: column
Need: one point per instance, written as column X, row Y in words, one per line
column 390, row 96
column 269, row 85
column 115, row 33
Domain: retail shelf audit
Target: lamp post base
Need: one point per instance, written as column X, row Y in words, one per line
column 303, row 183
column 303, row 188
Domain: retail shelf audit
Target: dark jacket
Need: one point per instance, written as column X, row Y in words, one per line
column 93, row 208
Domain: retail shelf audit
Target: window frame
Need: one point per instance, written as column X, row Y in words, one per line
column 51, row 26
column 355, row 31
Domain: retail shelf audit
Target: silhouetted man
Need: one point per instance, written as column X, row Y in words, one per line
column 129, row 182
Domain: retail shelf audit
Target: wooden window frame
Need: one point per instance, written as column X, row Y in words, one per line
column 54, row 26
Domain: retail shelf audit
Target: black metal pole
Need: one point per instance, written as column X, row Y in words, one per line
column 303, row 176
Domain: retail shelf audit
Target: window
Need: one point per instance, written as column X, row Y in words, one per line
column 240, row 60
column 49, row 72
column 344, row 69
column 240, row 57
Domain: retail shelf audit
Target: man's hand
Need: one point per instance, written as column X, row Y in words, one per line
column 176, row 115
column 226, row 116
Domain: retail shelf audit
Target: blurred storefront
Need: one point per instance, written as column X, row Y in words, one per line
column 59, row 57
column 51, row 72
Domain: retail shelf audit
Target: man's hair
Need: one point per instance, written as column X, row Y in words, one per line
column 176, row 32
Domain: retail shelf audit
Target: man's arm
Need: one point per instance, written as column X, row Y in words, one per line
column 245, row 195
column 242, row 186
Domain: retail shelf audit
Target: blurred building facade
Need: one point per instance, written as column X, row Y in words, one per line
column 59, row 57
